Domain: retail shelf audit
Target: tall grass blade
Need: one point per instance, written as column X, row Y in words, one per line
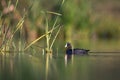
column 55, row 13
column 9, row 3
column 47, row 36
column 16, row 5
column 54, row 25
column 55, row 37
column 63, row 1
column 4, row 40
column 33, row 42
column 58, row 14
column 19, row 25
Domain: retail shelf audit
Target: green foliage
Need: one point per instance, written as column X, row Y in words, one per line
column 36, row 16
column 77, row 13
column 108, row 29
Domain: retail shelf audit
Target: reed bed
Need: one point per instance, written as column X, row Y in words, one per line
column 8, row 40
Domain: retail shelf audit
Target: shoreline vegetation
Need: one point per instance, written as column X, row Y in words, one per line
column 27, row 23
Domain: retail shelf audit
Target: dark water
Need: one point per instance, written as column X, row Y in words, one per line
column 27, row 67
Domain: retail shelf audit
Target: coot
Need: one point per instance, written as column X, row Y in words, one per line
column 70, row 51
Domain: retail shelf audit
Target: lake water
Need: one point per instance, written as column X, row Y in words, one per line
column 96, row 66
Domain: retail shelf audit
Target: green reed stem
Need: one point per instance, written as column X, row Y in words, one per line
column 47, row 36
column 33, row 42
column 16, row 5
column 55, row 37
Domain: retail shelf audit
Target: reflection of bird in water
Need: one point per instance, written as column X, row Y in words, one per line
column 70, row 52
column 76, row 51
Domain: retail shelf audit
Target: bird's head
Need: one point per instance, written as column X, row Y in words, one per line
column 68, row 45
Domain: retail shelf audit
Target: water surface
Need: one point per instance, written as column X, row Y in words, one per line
column 96, row 66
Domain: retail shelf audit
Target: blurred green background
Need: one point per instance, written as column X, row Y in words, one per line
column 89, row 24
column 84, row 21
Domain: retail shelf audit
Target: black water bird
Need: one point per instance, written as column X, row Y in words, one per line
column 70, row 51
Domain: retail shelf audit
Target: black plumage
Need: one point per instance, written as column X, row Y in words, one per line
column 70, row 51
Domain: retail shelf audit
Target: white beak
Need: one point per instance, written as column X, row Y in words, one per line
column 65, row 45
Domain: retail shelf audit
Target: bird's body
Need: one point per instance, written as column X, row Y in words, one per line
column 76, row 51
column 80, row 51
